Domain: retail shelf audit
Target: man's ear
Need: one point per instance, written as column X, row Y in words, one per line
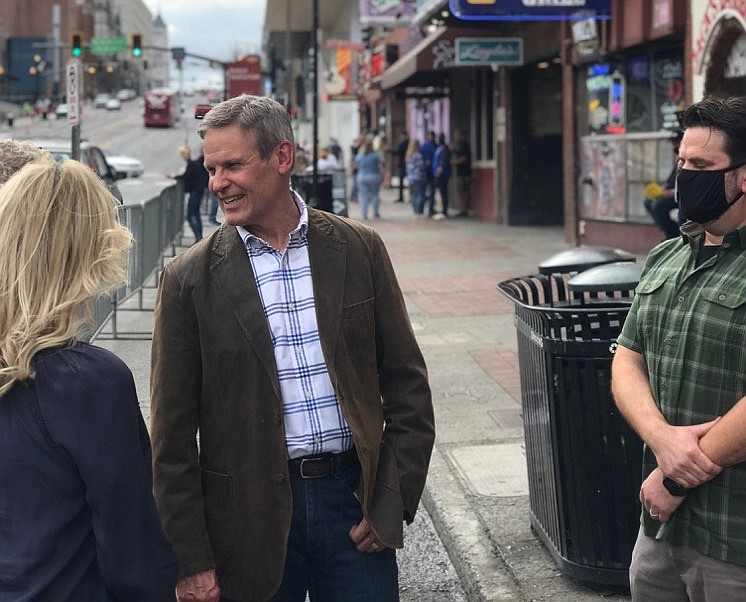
column 286, row 157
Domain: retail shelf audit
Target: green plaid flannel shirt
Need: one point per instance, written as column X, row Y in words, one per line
column 690, row 325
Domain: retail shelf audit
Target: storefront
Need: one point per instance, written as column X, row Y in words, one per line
column 629, row 105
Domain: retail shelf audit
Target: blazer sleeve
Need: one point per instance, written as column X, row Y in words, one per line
column 176, row 382
column 406, row 395
column 95, row 417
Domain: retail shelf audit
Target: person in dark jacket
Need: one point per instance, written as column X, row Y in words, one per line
column 195, row 179
column 442, row 173
column 77, row 516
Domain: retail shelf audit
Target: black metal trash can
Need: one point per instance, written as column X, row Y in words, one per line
column 303, row 185
column 582, row 258
column 584, row 462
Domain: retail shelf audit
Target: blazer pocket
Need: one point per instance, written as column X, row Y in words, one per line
column 362, row 310
column 217, row 491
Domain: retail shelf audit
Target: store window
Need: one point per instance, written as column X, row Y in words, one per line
column 643, row 93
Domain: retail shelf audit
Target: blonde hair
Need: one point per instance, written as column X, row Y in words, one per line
column 61, row 247
column 14, row 154
column 412, row 148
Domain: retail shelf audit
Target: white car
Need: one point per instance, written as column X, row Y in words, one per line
column 100, row 100
column 61, row 110
column 129, row 167
column 126, row 94
column 113, row 104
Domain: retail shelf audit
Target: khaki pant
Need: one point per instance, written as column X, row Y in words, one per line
column 660, row 572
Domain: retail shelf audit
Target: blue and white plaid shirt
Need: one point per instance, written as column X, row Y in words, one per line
column 314, row 422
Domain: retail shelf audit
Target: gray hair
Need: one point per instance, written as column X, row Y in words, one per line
column 266, row 119
column 14, row 154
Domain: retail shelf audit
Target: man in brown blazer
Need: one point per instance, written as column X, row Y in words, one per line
column 292, row 420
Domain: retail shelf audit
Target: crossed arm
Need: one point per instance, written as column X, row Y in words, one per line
column 690, row 455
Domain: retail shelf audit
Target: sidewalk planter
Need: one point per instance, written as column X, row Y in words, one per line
column 584, row 462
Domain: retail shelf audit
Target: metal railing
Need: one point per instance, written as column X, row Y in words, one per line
column 155, row 226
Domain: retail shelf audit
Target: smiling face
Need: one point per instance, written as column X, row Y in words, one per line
column 252, row 191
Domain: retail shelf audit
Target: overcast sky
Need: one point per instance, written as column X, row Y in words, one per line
column 214, row 28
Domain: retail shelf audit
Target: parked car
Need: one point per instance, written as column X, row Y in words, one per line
column 100, row 100
column 61, row 110
column 201, row 110
column 90, row 155
column 123, row 164
column 113, row 104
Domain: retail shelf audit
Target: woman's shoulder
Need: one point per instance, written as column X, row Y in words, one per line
column 80, row 361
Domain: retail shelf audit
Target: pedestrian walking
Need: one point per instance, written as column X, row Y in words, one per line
column 284, row 343
column 428, row 152
column 401, row 163
column 679, row 374
column 370, row 171
column 195, row 179
column 77, row 516
column 416, row 176
column 442, row 174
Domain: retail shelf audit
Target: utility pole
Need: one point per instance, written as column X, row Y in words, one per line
column 315, row 74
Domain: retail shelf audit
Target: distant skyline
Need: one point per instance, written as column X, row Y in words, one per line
column 218, row 29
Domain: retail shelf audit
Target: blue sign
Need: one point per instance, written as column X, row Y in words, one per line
column 529, row 10
column 489, row 51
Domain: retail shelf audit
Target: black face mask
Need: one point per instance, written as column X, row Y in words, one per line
column 701, row 193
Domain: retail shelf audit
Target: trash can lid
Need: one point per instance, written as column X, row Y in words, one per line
column 582, row 258
column 618, row 276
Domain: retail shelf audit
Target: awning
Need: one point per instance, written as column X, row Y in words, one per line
column 430, row 61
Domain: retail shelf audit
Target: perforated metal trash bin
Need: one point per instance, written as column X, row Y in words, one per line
column 584, row 462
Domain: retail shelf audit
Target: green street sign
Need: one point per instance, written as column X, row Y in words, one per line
column 108, row 45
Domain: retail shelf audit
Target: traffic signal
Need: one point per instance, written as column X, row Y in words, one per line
column 137, row 45
column 76, row 45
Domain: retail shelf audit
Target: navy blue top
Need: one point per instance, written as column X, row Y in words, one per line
column 77, row 515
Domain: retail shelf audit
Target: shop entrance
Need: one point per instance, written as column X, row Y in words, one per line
column 536, row 122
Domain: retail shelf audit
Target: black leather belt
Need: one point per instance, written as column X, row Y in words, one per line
column 313, row 467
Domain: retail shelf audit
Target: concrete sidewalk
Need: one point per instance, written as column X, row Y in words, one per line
column 477, row 491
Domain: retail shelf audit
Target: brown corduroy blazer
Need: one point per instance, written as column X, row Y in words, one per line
column 226, row 502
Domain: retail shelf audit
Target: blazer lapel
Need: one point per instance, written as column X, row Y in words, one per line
column 231, row 270
column 327, row 254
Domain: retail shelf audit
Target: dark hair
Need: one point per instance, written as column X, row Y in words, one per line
column 726, row 115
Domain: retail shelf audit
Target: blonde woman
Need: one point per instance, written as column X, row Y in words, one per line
column 369, row 165
column 77, row 516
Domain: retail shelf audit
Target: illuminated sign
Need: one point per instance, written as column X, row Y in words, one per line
column 489, row 51
column 529, row 10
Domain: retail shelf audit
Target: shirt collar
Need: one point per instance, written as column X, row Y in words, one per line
column 300, row 231
column 693, row 233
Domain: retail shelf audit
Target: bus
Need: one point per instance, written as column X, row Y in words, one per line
column 161, row 107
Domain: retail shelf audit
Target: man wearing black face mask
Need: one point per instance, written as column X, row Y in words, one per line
column 679, row 375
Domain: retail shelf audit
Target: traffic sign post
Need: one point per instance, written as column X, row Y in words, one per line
column 73, row 104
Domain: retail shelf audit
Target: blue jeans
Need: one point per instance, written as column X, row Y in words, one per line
column 417, row 194
column 212, row 212
column 368, row 191
column 660, row 210
column 321, row 558
column 442, row 184
column 192, row 215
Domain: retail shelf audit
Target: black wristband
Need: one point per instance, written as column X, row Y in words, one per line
column 674, row 488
